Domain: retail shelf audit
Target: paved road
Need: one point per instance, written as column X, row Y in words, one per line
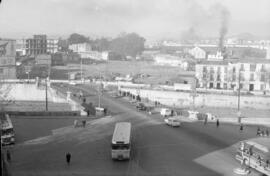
column 157, row 149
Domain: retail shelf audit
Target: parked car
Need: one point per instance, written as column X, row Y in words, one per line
column 165, row 112
column 172, row 121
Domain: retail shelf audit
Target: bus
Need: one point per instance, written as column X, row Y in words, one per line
column 7, row 132
column 121, row 141
column 255, row 153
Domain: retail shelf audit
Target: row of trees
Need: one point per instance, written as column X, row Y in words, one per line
column 126, row 44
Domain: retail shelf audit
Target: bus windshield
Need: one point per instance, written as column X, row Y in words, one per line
column 7, row 131
column 120, row 146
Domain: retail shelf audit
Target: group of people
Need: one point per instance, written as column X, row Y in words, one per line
column 264, row 133
column 205, row 122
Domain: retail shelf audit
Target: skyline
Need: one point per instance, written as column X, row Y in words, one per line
column 151, row 19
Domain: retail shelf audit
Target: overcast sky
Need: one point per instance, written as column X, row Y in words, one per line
column 149, row 18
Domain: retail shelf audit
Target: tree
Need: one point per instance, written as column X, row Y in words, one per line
column 77, row 38
column 63, row 44
column 128, row 44
column 101, row 44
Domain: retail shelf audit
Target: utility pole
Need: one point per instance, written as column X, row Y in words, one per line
column 46, row 94
column 238, row 108
column 81, row 70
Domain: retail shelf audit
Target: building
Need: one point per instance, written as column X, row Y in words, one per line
column 215, row 56
column 7, row 59
column 43, row 59
column 80, row 47
column 52, row 46
column 169, row 60
column 197, row 53
column 21, row 47
column 36, row 45
column 250, row 75
column 85, row 51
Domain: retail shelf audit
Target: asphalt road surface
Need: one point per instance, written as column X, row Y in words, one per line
column 157, row 149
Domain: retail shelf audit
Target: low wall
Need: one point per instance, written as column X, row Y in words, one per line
column 44, row 113
column 186, row 99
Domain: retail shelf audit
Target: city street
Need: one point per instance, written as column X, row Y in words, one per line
column 157, row 149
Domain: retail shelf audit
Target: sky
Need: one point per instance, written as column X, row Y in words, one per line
column 153, row 19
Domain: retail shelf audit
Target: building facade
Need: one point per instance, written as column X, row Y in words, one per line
column 43, row 59
column 249, row 75
column 7, row 59
column 52, row 46
column 21, row 47
column 85, row 51
column 80, row 47
column 36, row 45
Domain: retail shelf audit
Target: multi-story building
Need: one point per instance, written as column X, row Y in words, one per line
column 52, row 45
column 250, row 75
column 36, row 45
column 7, row 59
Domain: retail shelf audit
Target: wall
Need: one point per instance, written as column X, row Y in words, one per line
column 185, row 99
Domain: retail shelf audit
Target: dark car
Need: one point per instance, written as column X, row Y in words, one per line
column 141, row 106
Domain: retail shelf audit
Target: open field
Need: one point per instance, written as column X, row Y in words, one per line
column 158, row 74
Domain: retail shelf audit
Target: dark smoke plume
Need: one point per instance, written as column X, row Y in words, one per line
column 224, row 26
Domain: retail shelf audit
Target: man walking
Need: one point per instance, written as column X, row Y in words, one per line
column 68, row 157
column 241, row 127
column 217, row 123
column 205, row 120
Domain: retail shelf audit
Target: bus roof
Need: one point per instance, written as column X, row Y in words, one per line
column 261, row 143
column 122, row 133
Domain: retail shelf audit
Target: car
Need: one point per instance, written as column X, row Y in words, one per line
column 141, row 106
column 172, row 121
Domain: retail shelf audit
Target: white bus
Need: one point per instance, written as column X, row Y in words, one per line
column 7, row 132
column 121, row 141
column 255, row 153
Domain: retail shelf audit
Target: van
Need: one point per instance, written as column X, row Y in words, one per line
column 165, row 112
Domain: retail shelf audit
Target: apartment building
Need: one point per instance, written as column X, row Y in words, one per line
column 250, row 75
column 52, row 46
column 36, row 45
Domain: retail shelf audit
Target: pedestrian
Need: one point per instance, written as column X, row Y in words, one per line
column 84, row 123
column 258, row 131
column 267, row 163
column 267, row 133
column 241, row 127
column 68, row 157
column 217, row 123
column 75, row 123
column 8, row 156
column 105, row 111
column 205, row 120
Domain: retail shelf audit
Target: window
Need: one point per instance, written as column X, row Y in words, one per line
column 263, row 77
column 252, row 67
column 251, row 77
column 242, row 67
